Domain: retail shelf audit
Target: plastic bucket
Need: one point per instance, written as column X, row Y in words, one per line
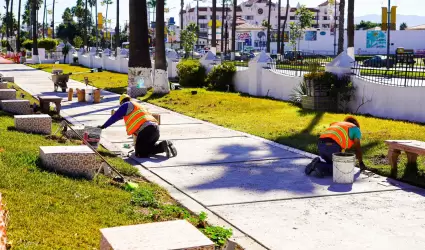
column 92, row 136
column 343, row 167
column 89, row 95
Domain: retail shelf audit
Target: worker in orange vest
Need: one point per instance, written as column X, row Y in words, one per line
column 142, row 124
column 339, row 137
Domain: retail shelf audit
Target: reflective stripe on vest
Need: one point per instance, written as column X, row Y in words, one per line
column 339, row 133
column 137, row 118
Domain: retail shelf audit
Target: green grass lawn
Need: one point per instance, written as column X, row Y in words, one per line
column 287, row 124
column 109, row 81
column 52, row 211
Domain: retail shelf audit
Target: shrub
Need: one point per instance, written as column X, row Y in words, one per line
column 218, row 235
column 27, row 44
column 4, row 43
column 78, row 42
column 47, row 43
column 145, row 198
column 191, row 73
column 221, row 77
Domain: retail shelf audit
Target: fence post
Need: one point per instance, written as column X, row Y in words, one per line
column 255, row 69
column 342, row 65
column 208, row 60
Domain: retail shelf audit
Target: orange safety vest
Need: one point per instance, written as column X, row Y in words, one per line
column 338, row 131
column 137, row 118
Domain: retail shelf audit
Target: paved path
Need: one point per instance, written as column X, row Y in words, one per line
column 256, row 186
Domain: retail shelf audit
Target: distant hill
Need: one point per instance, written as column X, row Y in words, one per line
column 410, row 20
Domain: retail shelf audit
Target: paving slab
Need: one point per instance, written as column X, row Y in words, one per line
column 386, row 220
column 217, row 150
column 261, row 181
column 176, row 119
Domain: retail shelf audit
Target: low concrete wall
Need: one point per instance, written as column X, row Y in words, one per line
column 241, row 80
column 277, row 85
column 401, row 103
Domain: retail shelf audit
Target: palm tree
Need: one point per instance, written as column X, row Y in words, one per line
column 222, row 28
column 268, row 26
column 160, row 84
column 235, row 5
column 139, row 63
column 107, row 2
column 11, row 19
column 350, row 24
column 214, row 26
column 44, row 17
column 34, row 9
column 278, row 26
column 85, row 25
column 282, row 50
column 341, row 26
column 117, row 29
column 18, row 39
column 181, row 19
column 53, row 19
column 7, row 22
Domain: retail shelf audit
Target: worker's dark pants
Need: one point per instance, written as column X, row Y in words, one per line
column 327, row 147
column 147, row 142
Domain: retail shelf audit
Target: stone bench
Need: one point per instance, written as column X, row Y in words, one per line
column 411, row 147
column 18, row 107
column 38, row 124
column 7, row 94
column 74, row 161
column 178, row 234
column 8, row 78
column 46, row 100
column 3, row 85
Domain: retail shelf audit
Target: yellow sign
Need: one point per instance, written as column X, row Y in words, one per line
column 217, row 23
column 384, row 20
column 393, row 17
column 99, row 19
column 49, row 32
column 107, row 35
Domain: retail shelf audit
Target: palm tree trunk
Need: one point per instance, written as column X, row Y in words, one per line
column 35, row 57
column 214, row 27
column 278, row 27
column 97, row 28
column 7, row 23
column 341, row 32
column 18, row 39
column 44, row 17
column 181, row 20
column 160, row 84
column 11, row 19
column 117, row 29
column 139, row 63
column 235, row 5
column 53, row 19
column 350, row 24
column 282, row 50
column 222, row 30
column 85, row 25
column 197, row 23
column 268, row 26
column 106, row 19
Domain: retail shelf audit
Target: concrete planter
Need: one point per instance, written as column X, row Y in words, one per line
column 17, row 107
column 38, row 124
column 319, row 103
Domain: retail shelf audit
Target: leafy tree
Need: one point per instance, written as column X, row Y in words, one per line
column 366, row 25
column 296, row 29
column 78, row 42
column 403, row 26
column 295, row 34
column 188, row 37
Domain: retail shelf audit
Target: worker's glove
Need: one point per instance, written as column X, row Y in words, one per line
column 362, row 166
column 101, row 127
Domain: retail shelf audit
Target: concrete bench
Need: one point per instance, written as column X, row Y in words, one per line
column 8, row 78
column 46, row 100
column 74, row 161
column 7, row 94
column 3, row 85
column 18, row 107
column 38, row 124
column 411, row 147
column 178, row 234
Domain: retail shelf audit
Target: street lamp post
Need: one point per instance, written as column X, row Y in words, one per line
column 335, row 30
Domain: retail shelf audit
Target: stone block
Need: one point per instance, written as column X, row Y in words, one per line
column 18, row 107
column 78, row 129
column 3, row 85
column 8, row 78
column 38, row 124
column 7, row 94
column 74, row 161
column 178, row 234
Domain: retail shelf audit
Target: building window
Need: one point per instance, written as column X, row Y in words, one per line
column 203, row 25
column 202, row 17
column 315, row 26
column 325, row 26
column 249, row 17
column 336, row 18
column 292, row 18
column 325, row 18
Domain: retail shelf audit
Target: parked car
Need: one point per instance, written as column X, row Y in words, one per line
column 293, row 55
column 378, row 61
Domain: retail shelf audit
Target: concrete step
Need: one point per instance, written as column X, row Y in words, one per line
column 38, row 124
column 3, row 85
column 7, row 94
column 18, row 107
column 74, row 161
column 178, row 234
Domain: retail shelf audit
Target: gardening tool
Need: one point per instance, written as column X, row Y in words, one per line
column 128, row 185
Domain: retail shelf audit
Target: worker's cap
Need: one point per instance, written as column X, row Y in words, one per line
column 123, row 97
column 352, row 120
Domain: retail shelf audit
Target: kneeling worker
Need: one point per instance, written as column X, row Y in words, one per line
column 339, row 137
column 141, row 123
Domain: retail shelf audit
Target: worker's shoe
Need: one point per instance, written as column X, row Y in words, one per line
column 173, row 149
column 166, row 149
column 311, row 166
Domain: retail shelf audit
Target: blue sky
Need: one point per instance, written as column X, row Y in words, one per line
column 363, row 7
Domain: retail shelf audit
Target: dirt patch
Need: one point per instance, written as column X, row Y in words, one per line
column 62, row 139
column 381, row 160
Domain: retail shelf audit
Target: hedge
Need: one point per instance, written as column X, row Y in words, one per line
column 191, row 73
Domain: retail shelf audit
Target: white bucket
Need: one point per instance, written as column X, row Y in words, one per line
column 89, row 95
column 343, row 167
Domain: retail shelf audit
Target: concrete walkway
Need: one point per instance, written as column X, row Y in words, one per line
column 258, row 187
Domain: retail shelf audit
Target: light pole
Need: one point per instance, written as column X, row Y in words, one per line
column 388, row 34
column 335, row 30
